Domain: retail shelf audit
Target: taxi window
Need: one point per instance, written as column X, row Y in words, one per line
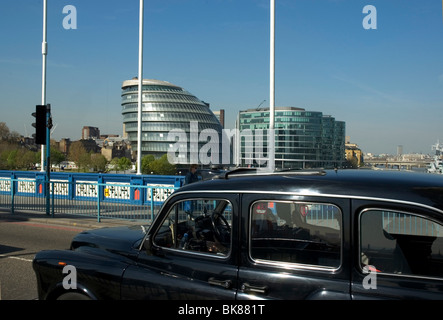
column 296, row 232
column 197, row 225
column 401, row 243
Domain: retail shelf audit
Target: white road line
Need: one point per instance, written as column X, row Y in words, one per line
column 17, row 258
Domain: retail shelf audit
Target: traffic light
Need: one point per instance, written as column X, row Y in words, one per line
column 40, row 124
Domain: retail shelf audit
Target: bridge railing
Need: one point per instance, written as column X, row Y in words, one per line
column 132, row 199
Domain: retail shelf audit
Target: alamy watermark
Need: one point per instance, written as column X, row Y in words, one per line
column 370, row 280
column 70, row 20
column 70, row 281
column 370, row 20
column 210, row 146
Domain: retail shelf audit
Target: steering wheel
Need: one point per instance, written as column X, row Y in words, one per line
column 221, row 229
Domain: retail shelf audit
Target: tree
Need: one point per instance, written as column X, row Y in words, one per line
column 85, row 161
column 121, row 164
column 29, row 159
column 79, row 155
column 16, row 157
column 12, row 159
column 56, row 155
column 98, row 162
column 162, row 166
column 352, row 163
column 6, row 134
column 146, row 162
column 76, row 150
column 25, row 159
column 124, row 163
column 4, row 131
column 157, row 166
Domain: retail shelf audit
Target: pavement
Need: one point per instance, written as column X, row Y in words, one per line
column 67, row 220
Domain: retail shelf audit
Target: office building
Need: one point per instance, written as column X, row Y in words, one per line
column 220, row 114
column 90, row 133
column 165, row 108
column 303, row 139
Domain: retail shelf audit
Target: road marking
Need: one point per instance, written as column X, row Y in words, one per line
column 16, row 258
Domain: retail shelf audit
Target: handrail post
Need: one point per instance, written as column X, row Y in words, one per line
column 98, row 202
column 152, row 204
column 53, row 198
column 12, row 196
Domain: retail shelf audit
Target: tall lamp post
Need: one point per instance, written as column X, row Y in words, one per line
column 44, row 54
column 271, row 135
column 140, row 91
column 46, row 158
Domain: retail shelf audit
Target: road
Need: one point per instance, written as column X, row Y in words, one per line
column 19, row 242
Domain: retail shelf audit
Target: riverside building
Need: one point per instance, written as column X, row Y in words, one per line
column 303, row 139
column 165, row 107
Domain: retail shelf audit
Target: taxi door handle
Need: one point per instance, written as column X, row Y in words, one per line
column 246, row 287
column 222, row 283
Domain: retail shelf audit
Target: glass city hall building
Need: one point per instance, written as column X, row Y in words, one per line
column 303, row 139
column 165, row 108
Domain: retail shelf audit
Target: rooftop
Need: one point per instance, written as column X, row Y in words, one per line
column 397, row 186
column 134, row 82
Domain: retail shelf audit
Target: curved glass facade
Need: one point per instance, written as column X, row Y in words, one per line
column 303, row 139
column 165, row 107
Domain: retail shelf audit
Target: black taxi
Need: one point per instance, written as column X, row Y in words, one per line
column 338, row 234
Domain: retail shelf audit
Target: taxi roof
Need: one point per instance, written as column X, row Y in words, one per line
column 421, row 188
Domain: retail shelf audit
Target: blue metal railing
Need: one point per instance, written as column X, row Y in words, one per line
column 409, row 224
column 109, row 196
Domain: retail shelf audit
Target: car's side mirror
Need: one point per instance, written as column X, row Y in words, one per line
column 150, row 248
column 147, row 244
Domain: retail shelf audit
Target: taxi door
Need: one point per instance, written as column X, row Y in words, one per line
column 294, row 249
column 190, row 252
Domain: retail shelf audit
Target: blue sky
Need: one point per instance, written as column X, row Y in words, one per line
column 386, row 84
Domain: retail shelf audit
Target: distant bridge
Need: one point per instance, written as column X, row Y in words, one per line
column 392, row 164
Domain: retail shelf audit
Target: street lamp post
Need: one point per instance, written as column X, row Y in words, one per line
column 271, row 135
column 44, row 54
column 140, row 90
column 46, row 156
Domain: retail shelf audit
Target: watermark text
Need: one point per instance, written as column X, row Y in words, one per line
column 70, row 281
column 70, row 20
column 370, row 20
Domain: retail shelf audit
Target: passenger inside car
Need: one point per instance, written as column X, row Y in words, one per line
column 263, row 221
column 288, row 236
